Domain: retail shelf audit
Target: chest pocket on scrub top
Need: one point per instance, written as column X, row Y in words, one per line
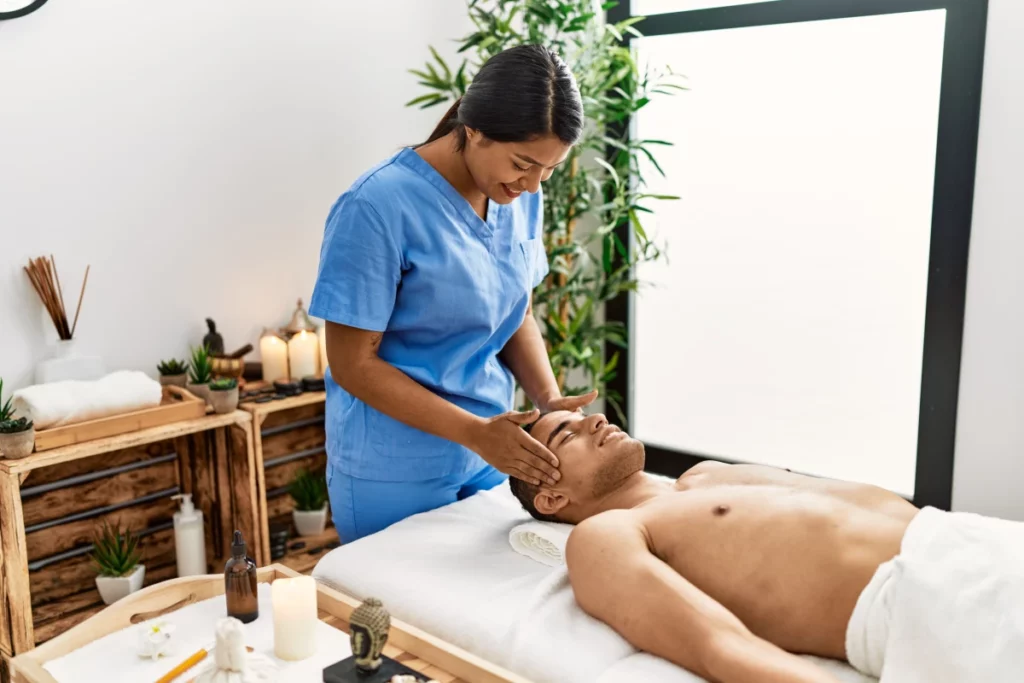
column 530, row 253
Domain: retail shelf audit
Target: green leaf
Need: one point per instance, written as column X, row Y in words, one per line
column 447, row 71
column 653, row 161
column 430, row 97
column 611, row 171
column 635, row 220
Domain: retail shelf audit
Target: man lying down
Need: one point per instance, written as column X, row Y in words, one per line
column 731, row 568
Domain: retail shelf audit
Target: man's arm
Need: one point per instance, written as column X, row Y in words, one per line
column 617, row 579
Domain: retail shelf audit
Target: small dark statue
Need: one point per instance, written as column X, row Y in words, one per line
column 214, row 342
column 368, row 632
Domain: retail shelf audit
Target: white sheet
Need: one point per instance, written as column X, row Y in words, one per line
column 452, row 573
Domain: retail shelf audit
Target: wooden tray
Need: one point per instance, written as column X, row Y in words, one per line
column 416, row 649
column 177, row 405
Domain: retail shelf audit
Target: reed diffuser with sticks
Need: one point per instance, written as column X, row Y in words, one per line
column 65, row 363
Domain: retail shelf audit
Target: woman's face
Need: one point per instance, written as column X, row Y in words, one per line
column 504, row 170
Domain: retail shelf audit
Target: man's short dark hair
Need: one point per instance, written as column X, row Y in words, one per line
column 526, row 492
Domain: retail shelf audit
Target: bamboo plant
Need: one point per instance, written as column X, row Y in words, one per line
column 599, row 188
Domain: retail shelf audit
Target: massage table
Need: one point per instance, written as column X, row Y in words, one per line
column 453, row 573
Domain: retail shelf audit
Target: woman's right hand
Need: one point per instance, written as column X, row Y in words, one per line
column 503, row 443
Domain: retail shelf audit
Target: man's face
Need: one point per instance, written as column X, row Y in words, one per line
column 594, row 457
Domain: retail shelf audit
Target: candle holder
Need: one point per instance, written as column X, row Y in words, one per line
column 368, row 634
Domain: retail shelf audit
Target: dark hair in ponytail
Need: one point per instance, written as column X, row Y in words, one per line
column 519, row 94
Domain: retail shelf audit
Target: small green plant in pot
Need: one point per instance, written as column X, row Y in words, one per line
column 200, row 373
column 17, row 435
column 116, row 559
column 309, row 491
column 223, row 395
column 173, row 372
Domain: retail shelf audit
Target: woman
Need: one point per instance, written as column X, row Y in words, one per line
column 426, row 273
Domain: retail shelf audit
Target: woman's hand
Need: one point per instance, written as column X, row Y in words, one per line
column 503, row 443
column 570, row 403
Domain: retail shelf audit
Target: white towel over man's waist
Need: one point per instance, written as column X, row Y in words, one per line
column 949, row 608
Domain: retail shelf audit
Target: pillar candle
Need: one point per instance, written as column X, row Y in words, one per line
column 274, row 353
column 322, row 335
column 302, row 354
column 294, row 605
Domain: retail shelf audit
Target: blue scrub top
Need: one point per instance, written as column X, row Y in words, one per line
column 405, row 254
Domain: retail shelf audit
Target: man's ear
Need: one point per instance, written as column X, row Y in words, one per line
column 550, row 502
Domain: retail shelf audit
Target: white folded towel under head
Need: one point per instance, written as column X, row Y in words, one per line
column 56, row 404
column 541, row 541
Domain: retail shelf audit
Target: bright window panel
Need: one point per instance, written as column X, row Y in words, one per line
column 787, row 326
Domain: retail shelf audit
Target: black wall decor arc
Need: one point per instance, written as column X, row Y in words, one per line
column 956, row 150
column 27, row 9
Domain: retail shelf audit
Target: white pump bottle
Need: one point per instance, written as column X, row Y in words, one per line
column 189, row 538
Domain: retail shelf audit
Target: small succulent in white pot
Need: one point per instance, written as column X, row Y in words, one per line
column 116, row 558
column 309, row 491
column 173, row 373
column 223, row 395
column 17, row 435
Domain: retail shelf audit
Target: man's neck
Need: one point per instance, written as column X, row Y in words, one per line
column 634, row 491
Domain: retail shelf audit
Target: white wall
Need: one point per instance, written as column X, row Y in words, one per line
column 189, row 151
column 989, row 475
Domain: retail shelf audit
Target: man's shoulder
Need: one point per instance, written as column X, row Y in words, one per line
column 602, row 525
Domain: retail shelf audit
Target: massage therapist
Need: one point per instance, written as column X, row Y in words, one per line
column 426, row 275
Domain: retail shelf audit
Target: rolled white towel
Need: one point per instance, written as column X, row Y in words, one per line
column 56, row 404
column 543, row 542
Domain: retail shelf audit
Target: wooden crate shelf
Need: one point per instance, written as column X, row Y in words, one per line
column 52, row 501
column 289, row 436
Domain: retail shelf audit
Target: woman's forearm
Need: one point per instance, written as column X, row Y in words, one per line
column 527, row 358
column 387, row 389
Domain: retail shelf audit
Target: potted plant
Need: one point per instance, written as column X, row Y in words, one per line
column 200, row 373
column 309, row 491
column 115, row 557
column 17, row 436
column 173, row 372
column 223, row 395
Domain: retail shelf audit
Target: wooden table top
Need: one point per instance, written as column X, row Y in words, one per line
column 412, row 647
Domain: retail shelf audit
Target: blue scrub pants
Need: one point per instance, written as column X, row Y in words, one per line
column 361, row 507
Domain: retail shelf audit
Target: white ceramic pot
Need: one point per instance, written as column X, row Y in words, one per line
column 199, row 391
column 18, row 444
column 223, row 401
column 174, row 380
column 113, row 588
column 65, row 363
column 310, row 523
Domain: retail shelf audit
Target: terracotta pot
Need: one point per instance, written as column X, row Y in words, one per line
column 223, row 401
column 311, row 522
column 174, row 380
column 18, row 444
column 113, row 588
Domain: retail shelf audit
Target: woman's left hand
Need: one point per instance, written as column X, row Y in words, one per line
column 570, row 403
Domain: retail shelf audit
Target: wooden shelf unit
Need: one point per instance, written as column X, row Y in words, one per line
column 52, row 501
column 288, row 435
